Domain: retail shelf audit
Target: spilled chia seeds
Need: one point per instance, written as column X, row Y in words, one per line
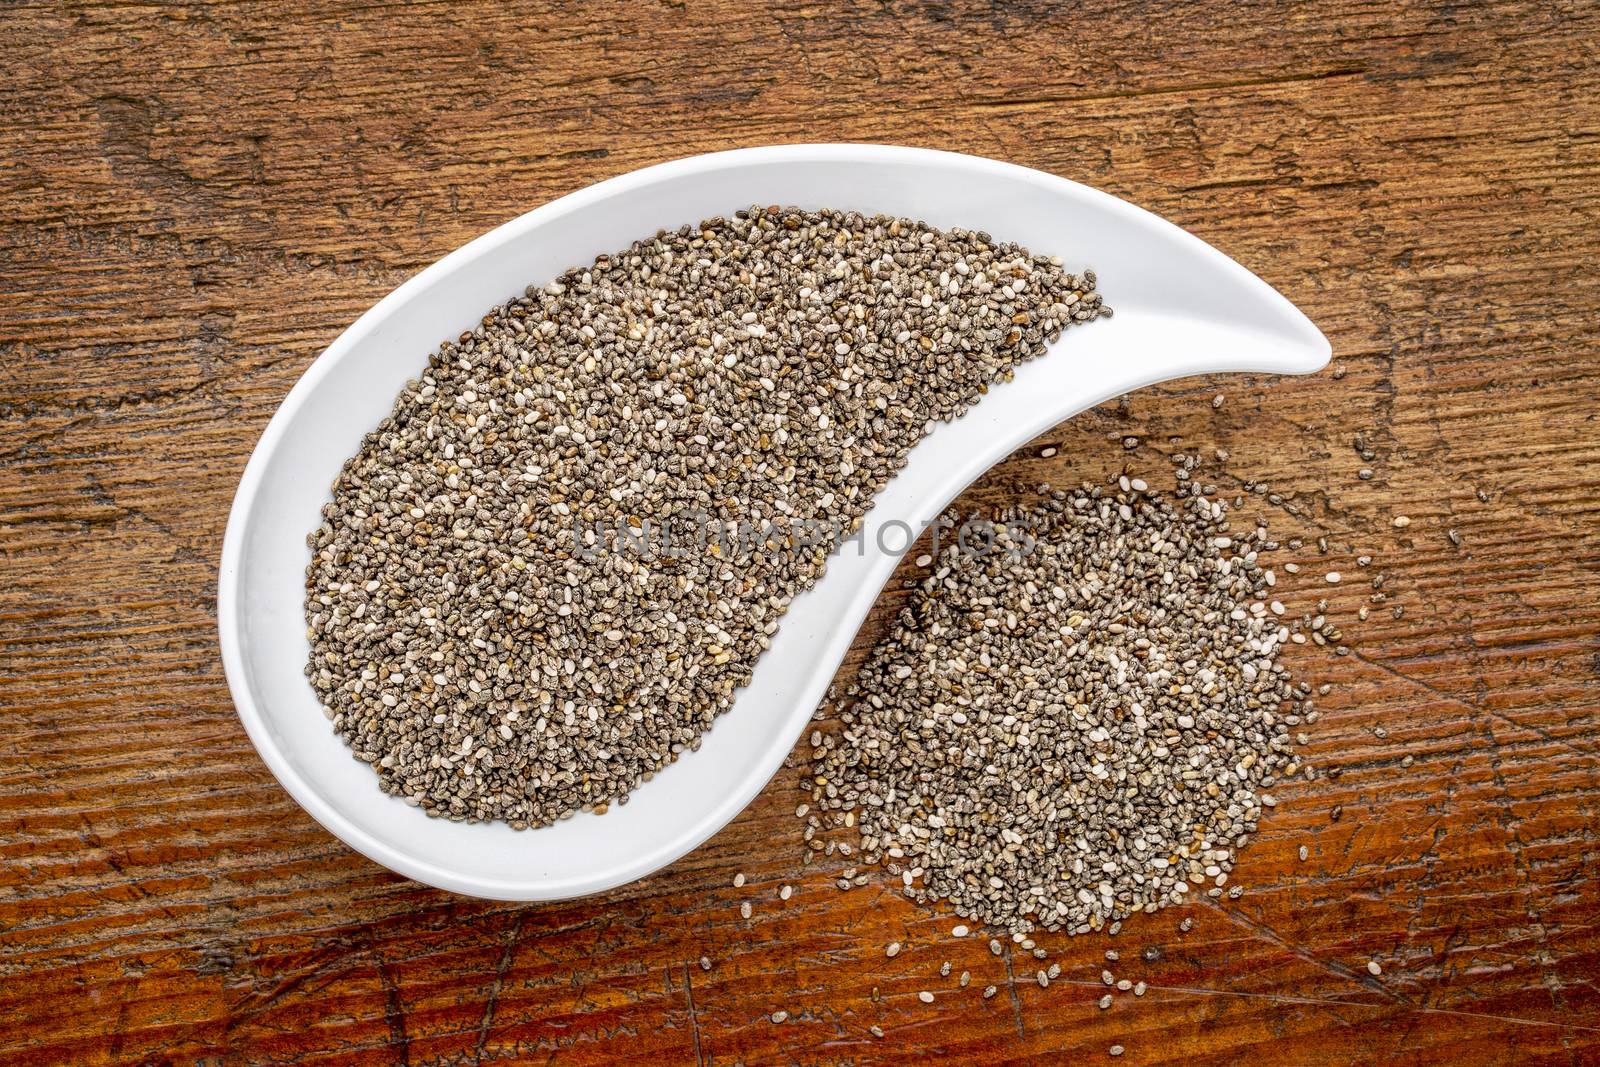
column 1081, row 725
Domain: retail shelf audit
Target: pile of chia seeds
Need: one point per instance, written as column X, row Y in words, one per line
column 486, row 631
column 1081, row 724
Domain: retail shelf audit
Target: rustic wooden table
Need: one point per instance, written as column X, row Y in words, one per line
column 197, row 198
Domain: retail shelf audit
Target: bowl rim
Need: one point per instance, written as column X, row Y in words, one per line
column 230, row 624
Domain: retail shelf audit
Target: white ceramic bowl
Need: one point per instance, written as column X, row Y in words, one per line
column 1182, row 308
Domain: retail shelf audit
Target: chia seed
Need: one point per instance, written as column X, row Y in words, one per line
column 991, row 738
column 467, row 645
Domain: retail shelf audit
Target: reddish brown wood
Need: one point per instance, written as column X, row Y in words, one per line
column 196, row 198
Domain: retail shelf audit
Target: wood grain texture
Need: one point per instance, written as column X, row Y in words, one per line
column 195, row 198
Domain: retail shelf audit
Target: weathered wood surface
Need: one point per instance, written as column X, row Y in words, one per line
column 197, row 198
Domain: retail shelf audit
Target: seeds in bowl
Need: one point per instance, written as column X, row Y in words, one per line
column 543, row 576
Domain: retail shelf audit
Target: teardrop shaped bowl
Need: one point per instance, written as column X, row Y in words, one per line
column 1182, row 308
